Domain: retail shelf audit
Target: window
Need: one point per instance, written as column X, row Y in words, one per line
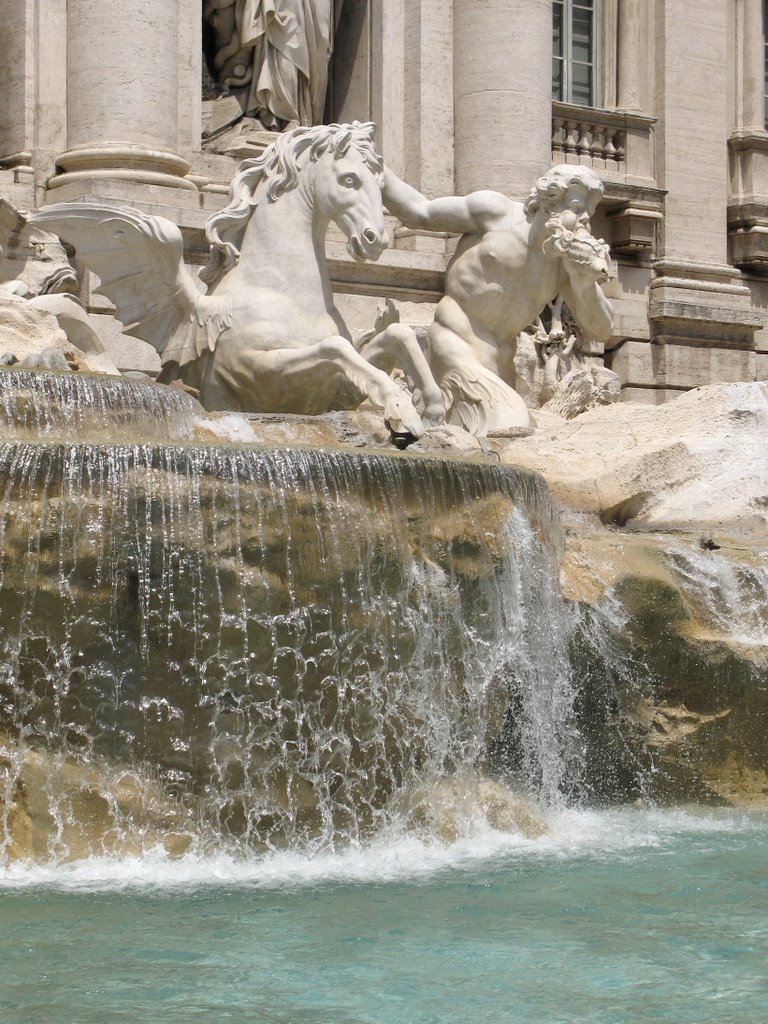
column 575, row 51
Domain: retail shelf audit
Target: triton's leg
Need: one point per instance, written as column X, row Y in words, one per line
column 476, row 398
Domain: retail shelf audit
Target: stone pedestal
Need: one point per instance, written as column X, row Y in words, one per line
column 503, row 94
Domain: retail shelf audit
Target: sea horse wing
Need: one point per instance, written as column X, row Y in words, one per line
column 139, row 261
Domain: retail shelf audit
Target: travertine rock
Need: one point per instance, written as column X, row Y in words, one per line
column 697, row 462
column 31, row 329
column 449, row 806
column 582, row 388
column 57, row 806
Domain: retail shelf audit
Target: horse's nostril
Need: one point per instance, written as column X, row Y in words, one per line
column 369, row 235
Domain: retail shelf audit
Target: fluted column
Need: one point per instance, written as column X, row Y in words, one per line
column 503, row 93
column 122, row 98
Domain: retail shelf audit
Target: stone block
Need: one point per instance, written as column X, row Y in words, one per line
column 680, row 365
column 649, row 396
column 127, row 353
column 761, row 366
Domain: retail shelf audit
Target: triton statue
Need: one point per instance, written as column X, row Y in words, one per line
column 512, row 260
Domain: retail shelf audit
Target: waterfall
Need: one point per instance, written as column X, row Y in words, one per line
column 729, row 600
column 249, row 648
column 40, row 405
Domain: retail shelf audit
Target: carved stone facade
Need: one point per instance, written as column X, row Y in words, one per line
column 101, row 101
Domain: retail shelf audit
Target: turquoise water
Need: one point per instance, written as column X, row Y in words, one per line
column 615, row 918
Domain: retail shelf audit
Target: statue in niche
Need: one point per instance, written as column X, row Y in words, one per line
column 513, row 258
column 266, row 337
column 270, row 58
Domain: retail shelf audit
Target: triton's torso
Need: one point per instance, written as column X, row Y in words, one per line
column 501, row 284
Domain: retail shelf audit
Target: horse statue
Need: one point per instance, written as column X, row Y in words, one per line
column 266, row 335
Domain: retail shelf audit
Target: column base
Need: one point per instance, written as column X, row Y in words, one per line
column 122, row 163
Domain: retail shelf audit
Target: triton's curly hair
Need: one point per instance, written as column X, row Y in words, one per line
column 551, row 186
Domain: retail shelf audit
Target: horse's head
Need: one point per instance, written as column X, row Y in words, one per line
column 347, row 180
column 338, row 169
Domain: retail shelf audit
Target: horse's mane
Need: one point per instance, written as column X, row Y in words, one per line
column 279, row 166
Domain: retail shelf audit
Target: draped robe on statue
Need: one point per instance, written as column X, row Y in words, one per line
column 292, row 42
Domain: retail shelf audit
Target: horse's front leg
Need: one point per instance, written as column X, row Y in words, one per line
column 397, row 347
column 400, row 414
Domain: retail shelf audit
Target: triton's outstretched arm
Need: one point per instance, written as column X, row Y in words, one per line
column 462, row 215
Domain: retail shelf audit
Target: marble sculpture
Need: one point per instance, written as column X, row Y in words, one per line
column 513, row 258
column 273, row 56
column 267, row 337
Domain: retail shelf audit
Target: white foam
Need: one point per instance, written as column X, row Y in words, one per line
column 229, row 427
column 396, row 858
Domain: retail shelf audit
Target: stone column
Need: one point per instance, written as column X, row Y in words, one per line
column 634, row 63
column 16, row 79
column 503, row 94
column 429, row 97
column 33, row 79
column 122, row 100
column 750, row 114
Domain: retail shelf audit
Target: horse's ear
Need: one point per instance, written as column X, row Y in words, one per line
column 342, row 143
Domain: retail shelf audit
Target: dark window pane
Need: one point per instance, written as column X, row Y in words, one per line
column 574, row 51
column 581, row 38
column 581, row 84
column 557, row 31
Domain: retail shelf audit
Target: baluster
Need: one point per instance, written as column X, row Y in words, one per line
column 598, row 146
column 588, row 142
column 610, row 150
column 621, row 147
column 569, row 146
column 580, row 134
column 558, row 135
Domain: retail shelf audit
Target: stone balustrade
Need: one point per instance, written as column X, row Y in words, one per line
column 618, row 142
column 589, row 139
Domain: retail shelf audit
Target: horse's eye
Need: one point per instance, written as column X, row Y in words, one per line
column 350, row 180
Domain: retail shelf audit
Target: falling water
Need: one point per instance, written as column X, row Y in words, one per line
column 37, row 404
column 728, row 599
column 252, row 648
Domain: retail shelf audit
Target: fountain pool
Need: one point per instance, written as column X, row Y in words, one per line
column 616, row 917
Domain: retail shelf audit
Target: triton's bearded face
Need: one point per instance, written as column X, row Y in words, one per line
column 585, row 255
